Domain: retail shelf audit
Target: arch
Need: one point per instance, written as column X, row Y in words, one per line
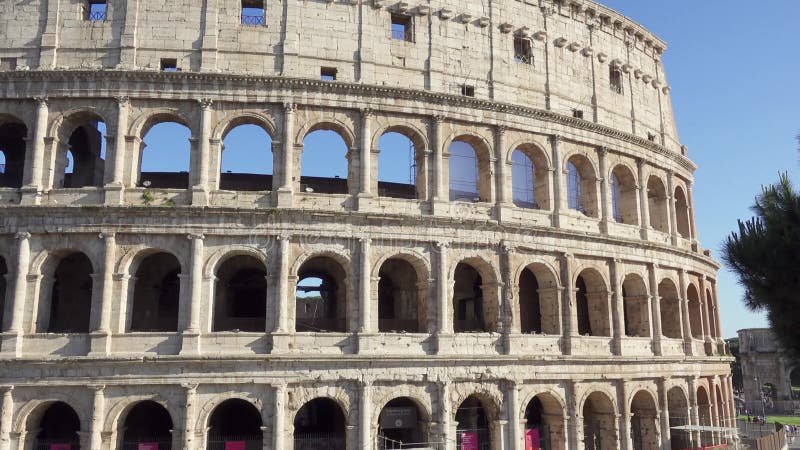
column 156, row 293
column 695, row 311
column 474, row 296
column 402, row 421
column 592, row 303
column 678, row 406
column 402, row 296
column 3, row 290
column 470, row 175
column 165, row 154
column 80, row 149
column 322, row 301
column 13, row 147
column 636, row 306
column 65, row 302
column 223, row 127
column 670, row 309
column 599, row 422
column 55, row 423
column 145, row 422
column 235, row 420
column 411, row 183
column 325, row 160
column 644, row 421
column 539, row 304
column 327, row 124
column 216, row 259
column 624, row 195
column 581, row 185
column 320, row 421
column 246, row 160
column 142, row 124
column 530, row 176
column 544, row 419
column 722, row 417
column 657, row 204
column 240, row 295
column 704, row 411
column 682, row 214
column 474, row 421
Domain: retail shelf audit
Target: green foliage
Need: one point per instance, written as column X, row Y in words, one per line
column 147, row 197
column 765, row 255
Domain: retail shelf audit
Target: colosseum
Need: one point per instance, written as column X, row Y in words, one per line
column 532, row 280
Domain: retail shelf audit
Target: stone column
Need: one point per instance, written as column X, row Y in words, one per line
column 444, row 322
column 189, row 433
column 365, row 161
column 704, row 303
column 663, row 403
column 715, row 299
column 282, row 301
column 365, row 413
column 503, row 181
column 284, row 192
column 438, row 189
column 692, row 223
column 673, row 215
column 98, row 414
column 514, row 421
column 445, row 409
column 32, row 188
column 279, row 418
column 683, row 298
column 191, row 334
column 655, row 317
column 617, row 306
column 101, row 343
column 624, row 434
column 365, row 286
column 115, row 188
column 715, row 413
column 200, row 189
column 570, row 315
column 574, row 435
column 6, row 417
column 605, row 196
column 12, row 338
column 558, row 180
column 644, row 202
column 694, row 411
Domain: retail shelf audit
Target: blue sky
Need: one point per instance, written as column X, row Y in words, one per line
column 734, row 67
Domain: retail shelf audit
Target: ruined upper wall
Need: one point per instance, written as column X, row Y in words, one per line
column 574, row 46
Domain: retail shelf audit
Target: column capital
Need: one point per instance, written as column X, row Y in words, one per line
column 205, row 103
column 97, row 388
column 507, row 247
column 195, row 236
column 190, row 388
column 284, row 237
column 500, row 129
column 364, row 240
column 366, row 112
column 568, row 256
column 41, row 102
column 289, row 107
column 602, row 150
column 107, row 235
column 123, row 101
column 22, row 235
column 555, row 139
column 441, row 244
column 438, row 118
column 5, row 389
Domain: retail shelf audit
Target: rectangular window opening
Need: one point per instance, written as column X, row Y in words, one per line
column 169, row 65
column 615, row 77
column 253, row 13
column 402, row 28
column 523, row 50
column 577, row 113
column 327, row 73
column 96, row 10
column 651, row 137
column 8, row 64
column 467, row 90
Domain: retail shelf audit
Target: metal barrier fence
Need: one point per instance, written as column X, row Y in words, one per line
column 319, row 441
column 385, row 443
column 60, row 444
column 219, row 442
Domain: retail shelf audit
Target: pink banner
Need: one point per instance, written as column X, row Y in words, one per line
column 147, row 446
column 60, row 446
column 234, row 445
column 469, row 441
column 532, row 440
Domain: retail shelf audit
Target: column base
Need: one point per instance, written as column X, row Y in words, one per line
column 365, row 343
column 364, row 201
column 114, row 194
column 11, row 345
column 284, row 197
column 567, row 343
column 100, row 344
column 444, row 343
column 440, row 208
column 281, row 342
column 199, row 196
column 557, row 220
column 657, row 348
column 503, row 212
column 644, row 233
column 190, row 343
column 688, row 348
column 616, row 345
column 30, row 196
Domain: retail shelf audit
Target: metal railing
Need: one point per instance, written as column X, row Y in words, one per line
column 253, row 20
column 159, row 442
column 219, row 442
column 60, row 444
column 319, row 441
column 385, row 443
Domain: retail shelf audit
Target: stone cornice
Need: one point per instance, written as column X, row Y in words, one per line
column 130, row 79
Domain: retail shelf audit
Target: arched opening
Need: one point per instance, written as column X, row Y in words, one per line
column 711, row 306
column 678, row 416
column 235, row 424
column 582, row 186
column 544, row 424
column 321, row 296
column 469, row 173
column 399, row 166
column 644, row 422
column 3, row 288
column 682, row 213
column 623, row 196
column 82, row 163
column 324, row 167
column 12, row 152
column 70, row 300
column 165, row 156
column 599, row 429
column 473, row 429
column 539, row 310
column 148, row 426
column 670, row 310
column 657, row 204
column 695, row 312
column 156, row 294
column 468, row 305
column 401, row 424
column 636, row 309
column 58, row 429
column 240, row 302
column 722, row 419
column 529, row 178
column 794, row 380
column 320, row 424
column 400, row 298
column 592, row 304
column 704, row 411
column 246, row 160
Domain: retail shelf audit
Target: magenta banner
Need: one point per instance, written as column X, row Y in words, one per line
column 60, row 446
column 532, row 440
column 147, row 446
column 234, row 445
column 469, row 441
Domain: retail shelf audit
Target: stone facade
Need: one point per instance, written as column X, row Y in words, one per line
column 597, row 326
column 765, row 363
